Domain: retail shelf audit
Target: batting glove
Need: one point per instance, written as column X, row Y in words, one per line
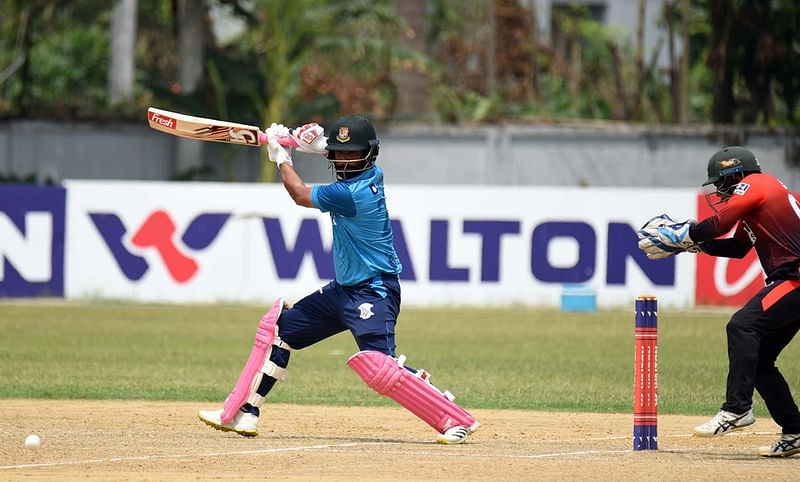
column 311, row 138
column 277, row 153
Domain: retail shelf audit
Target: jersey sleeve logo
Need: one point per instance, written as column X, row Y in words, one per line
column 750, row 233
column 373, row 188
column 741, row 188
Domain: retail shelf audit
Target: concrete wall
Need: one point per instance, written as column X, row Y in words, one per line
column 608, row 155
column 563, row 155
column 109, row 151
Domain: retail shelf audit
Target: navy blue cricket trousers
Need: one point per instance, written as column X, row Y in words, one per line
column 369, row 310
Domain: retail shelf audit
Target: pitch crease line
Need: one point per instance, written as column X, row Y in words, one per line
column 509, row 456
column 569, row 454
column 355, row 444
column 186, row 456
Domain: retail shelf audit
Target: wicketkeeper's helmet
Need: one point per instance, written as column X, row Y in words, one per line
column 730, row 161
column 725, row 169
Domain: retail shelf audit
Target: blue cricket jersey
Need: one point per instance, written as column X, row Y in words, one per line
column 362, row 233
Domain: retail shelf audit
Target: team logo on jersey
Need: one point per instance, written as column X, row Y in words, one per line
column 741, row 188
column 343, row 135
column 365, row 311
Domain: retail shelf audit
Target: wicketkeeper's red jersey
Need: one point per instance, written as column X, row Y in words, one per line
column 769, row 218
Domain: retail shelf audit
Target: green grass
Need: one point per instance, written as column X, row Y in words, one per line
column 509, row 358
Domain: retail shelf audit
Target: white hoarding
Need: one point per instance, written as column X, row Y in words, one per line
column 471, row 245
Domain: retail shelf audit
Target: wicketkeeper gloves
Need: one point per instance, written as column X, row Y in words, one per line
column 662, row 237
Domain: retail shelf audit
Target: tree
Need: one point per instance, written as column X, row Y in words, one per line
column 413, row 92
column 53, row 68
column 123, row 43
column 754, row 53
column 345, row 50
column 305, row 60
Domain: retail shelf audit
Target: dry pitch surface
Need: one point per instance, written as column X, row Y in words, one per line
column 123, row 440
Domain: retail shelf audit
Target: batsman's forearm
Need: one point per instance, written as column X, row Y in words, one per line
column 297, row 189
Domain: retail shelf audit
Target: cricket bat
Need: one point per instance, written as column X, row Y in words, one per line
column 203, row 129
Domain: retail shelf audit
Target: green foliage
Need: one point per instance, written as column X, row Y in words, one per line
column 344, row 50
column 61, row 52
column 315, row 59
column 69, row 68
column 576, row 77
column 456, row 107
column 557, row 102
column 498, row 358
column 354, row 58
column 15, row 179
column 699, row 100
column 763, row 56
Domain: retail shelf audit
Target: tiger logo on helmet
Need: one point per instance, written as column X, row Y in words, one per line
column 344, row 134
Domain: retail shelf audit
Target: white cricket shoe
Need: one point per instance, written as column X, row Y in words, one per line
column 457, row 435
column 725, row 422
column 243, row 423
column 788, row 444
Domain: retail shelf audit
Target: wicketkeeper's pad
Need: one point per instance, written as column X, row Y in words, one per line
column 387, row 376
column 258, row 364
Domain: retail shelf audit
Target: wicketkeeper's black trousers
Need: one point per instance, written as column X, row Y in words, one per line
column 757, row 334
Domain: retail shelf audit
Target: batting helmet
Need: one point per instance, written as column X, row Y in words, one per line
column 352, row 133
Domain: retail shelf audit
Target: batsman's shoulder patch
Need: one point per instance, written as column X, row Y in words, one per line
column 741, row 188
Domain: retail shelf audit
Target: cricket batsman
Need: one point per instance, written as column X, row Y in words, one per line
column 364, row 298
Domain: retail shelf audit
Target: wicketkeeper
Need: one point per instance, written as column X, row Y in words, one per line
column 767, row 216
column 364, row 298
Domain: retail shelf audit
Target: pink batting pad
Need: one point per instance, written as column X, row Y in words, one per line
column 265, row 335
column 382, row 373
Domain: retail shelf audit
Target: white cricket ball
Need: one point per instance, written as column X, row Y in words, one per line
column 33, row 441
